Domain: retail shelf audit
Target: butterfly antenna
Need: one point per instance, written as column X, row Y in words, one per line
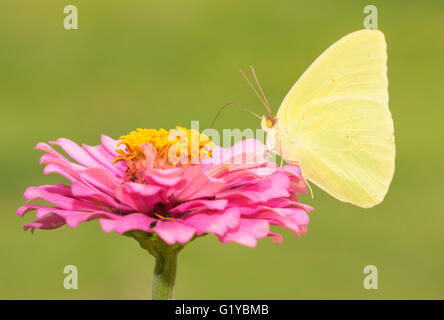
column 255, row 91
column 260, row 88
column 236, row 105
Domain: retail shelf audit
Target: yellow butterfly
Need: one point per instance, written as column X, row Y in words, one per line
column 335, row 121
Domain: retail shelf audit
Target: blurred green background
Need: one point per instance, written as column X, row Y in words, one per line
column 164, row 63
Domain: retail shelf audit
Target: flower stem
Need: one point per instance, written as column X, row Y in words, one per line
column 164, row 275
column 165, row 268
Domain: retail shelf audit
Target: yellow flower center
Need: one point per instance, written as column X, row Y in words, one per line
column 175, row 147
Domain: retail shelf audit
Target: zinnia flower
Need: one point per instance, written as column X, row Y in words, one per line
column 153, row 185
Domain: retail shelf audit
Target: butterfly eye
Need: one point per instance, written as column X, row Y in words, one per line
column 271, row 121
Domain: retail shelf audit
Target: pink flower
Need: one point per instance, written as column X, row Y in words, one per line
column 130, row 184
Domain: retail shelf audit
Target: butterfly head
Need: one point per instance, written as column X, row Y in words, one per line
column 268, row 123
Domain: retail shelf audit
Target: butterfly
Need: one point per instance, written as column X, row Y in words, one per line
column 335, row 122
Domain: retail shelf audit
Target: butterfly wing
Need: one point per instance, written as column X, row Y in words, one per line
column 336, row 123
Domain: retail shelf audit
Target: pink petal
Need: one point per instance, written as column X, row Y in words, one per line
column 76, row 152
column 141, row 197
column 292, row 169
column 244, row 154
column 198, row 184
column 71, row 217
column 174, row 231
column 46, row 223
column 99, row 198
column 290, row 218
column 247, row 233
column 217, row 223
column 105, row 158
column 166, row 177
column 122, row 224
column 275, row 186
column 41, row 210
column 100, row 178
column 276, row 237
column 200, row 205
column 110, row 145
column 56, row 194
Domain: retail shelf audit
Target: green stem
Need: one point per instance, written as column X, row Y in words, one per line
column 164, row 275
column 165, row 268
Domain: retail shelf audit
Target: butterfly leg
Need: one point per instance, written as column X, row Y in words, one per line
column 305, row 179
column 281, row 154
column 297, row 162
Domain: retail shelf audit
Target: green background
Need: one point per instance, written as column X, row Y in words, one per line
column 164, row 63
